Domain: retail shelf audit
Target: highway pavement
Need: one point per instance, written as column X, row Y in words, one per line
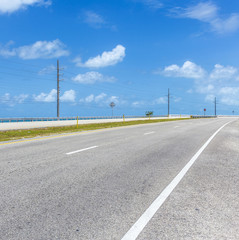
column 106, row 184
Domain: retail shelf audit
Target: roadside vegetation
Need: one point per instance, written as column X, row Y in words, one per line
column 38, row 132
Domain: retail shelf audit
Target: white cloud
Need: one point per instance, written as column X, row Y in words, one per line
column 105, row 59
column 189, row 91
column 229, row 91
column 12, row 101
column 46, row 97
column 161, row 100
column 210, row 98
column 92, row 77
column 94, row 19
column 177, row 99
column 229, row 95
column 40, row 49
column 10, row 6
column 221, row 72
column 92, row 98
column 5, row 98
column 138, row 103
column 228, row 25
column 68, row 96
column 20, row 98
column 188, row 70
column 204, row 88
column 204, row 11
column 154, row 4
column 114, row 99
column 208, row 12
column 47, row 70
column 220, row 82
column 100, row 97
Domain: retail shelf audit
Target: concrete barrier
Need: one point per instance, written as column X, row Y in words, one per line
column 4, row 126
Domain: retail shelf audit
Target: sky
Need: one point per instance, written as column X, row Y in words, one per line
column 129, row 52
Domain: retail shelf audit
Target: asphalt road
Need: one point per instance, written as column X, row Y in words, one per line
column 96, row 185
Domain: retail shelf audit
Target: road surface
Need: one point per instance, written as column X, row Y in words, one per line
column 99, row 184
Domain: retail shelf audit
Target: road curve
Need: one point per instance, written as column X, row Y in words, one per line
column 96, row 185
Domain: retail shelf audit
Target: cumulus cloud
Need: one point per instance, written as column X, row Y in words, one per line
column 92, row 98
column 208, row 12
column 89, row 99
column 68, row 96
column 46, row 97
column 222, row 72
column 92, row 77
column 40, row 49
column 229, row 95
column 105, row 59
column 188, row 70
column 101, row 99
column 10, row 6
column 220, row 82
column 12, row 101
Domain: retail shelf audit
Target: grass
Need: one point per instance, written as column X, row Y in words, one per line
column 36, row 132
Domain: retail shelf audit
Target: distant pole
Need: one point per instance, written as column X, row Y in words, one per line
column 215, row 102
column 168, row 102
column 58, row 90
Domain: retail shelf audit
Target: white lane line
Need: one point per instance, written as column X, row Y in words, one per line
column 176, row 127
column 149, row 133
column 81, row 150
column 136, row 229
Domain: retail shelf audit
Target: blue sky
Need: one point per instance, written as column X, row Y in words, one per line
column 126, row 51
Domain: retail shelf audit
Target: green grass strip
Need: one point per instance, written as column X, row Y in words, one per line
column 36, row 132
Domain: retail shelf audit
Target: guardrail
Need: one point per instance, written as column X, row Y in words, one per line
column 202, row 116
column 14, row 120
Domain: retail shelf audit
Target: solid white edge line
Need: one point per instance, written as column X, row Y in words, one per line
column 81, row 150
column 149, row 133
column 136, row 229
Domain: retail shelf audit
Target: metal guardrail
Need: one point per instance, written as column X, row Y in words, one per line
column 202, row 116
column 14, row 120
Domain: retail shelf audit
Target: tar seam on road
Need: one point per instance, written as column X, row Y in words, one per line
column 81, row 150
column 149, row 133
column 141, row 223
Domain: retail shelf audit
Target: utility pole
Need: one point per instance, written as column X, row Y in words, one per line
column 58, row 90
column 215, row 102
column 168, row 102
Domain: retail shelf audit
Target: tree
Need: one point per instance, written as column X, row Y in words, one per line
column 149, row 113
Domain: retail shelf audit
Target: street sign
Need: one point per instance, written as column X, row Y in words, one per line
column 205, row 109
column 112, row 104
